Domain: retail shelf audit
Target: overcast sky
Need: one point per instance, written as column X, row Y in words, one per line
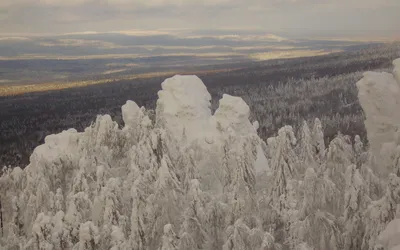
column 373, row 17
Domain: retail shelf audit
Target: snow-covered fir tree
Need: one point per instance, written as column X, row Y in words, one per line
column 318, row 142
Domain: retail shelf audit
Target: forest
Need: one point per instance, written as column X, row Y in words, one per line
column 279, row 92
column 183, row 176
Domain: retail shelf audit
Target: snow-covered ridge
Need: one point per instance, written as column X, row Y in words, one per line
column 191, row 179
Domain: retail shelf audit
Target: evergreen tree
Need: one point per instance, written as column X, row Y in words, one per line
column 193, row 234
column 284, row 164
column 318, row 142
column 307, row 156
column 380, row 213
column 89, row 236
column 355, row 202
column 169, row 239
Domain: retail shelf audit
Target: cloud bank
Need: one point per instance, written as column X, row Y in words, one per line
column 332, row 16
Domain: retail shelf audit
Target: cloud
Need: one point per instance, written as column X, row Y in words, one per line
column 65, row 16
column 116, row 3
column 250, row 4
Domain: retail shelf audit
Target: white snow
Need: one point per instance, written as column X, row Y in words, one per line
column 183, row 106
column 194, row 180
column 55, row 145
column 234, row 113
column 261, row 164
column 390, row 237
column 379, row 95
column 184, row 109
column 130, row 112
column 396, row 70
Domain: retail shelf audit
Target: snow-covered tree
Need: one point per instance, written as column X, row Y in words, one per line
column 283, row 166
column 78, row 210
column 318, row 143
column 215, row 223
column 164, row 206
column 169, row 239
column 89, row 236
column 193, row 233
column 355, row 203
column 316, row 225
column 307, row 155
column 380, row 213
column 241, row 237
column 208, row 177
column 358, row 147
column 339, row 157
column 61, row 237
column 389, row 237
column 42, row 232
column 138, row 237
column 240, row 179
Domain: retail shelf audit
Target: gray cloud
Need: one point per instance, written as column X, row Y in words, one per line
column 302, row 16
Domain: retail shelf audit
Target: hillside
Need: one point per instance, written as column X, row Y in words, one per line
column 185, row 177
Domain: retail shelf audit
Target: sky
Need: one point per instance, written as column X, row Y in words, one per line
column 325, row 17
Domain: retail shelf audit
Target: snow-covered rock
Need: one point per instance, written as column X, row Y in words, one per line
column 183, row 107
column 379, row 95
column 130, row 113
column 234, row 113
column 184, row 110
